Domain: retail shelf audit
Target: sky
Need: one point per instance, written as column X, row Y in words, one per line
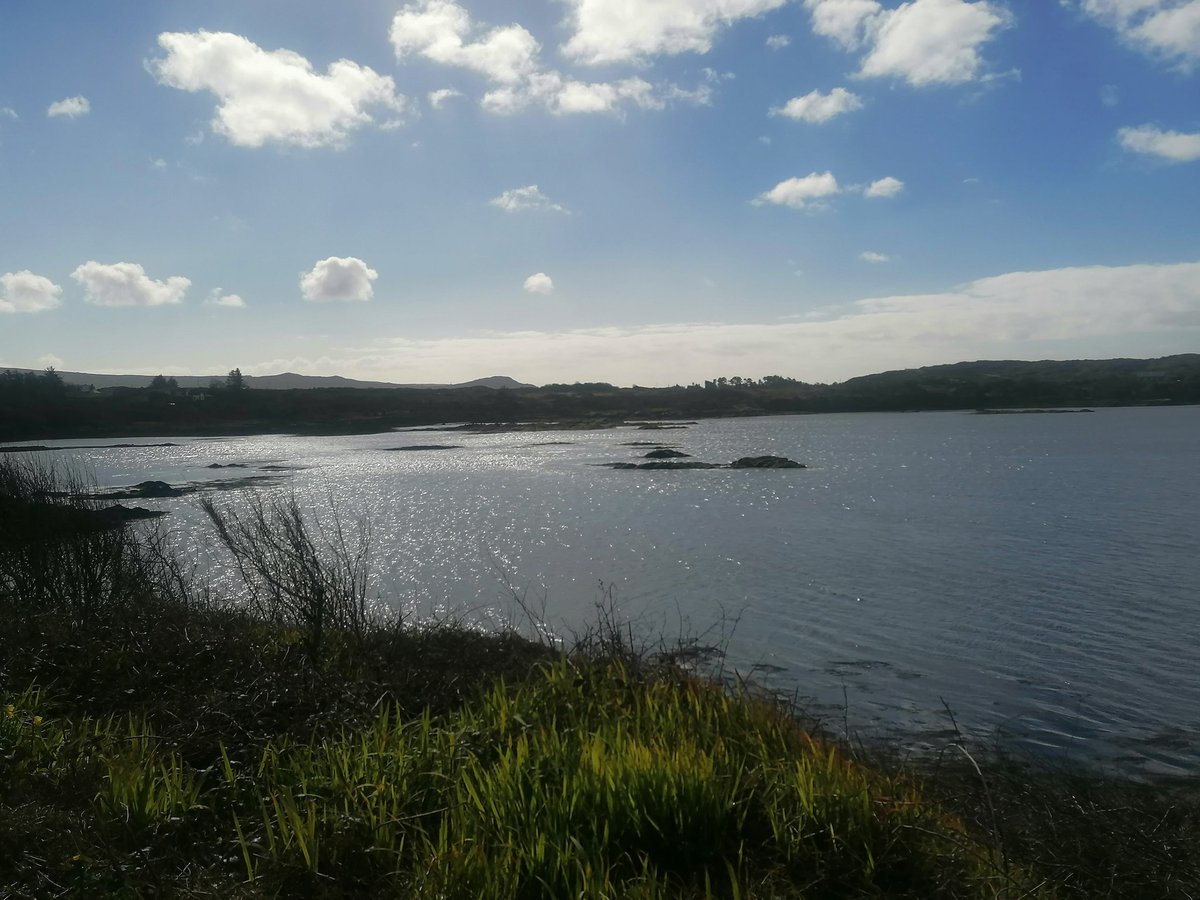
column 635, row 191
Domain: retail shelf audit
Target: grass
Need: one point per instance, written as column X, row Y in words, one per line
column 158, row 741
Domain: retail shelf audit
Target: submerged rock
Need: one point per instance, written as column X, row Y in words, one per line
column 664, row 464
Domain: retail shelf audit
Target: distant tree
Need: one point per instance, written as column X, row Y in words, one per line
column 234, row 381
column 164, row 385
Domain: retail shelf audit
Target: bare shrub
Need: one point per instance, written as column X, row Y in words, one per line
column 59, row 553
column 301, row 573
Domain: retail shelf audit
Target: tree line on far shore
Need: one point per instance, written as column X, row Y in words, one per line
column 40, row 405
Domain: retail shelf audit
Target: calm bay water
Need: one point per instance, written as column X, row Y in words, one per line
column 1037, row 574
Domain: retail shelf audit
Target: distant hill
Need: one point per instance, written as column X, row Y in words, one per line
column 34, row 407
column 285, row 381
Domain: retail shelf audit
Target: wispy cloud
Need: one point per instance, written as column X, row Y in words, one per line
column 816, row 107
column 526, row 199
column 1172, row 146
column 70, row 108
column 1025, row 315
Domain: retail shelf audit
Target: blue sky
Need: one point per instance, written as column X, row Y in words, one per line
column 647, row 192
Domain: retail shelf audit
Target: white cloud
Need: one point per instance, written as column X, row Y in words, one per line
column 844, row 21
column 24, row 292
column 338, row 278
column 1059, row 313
column 439, row 97
column 526, row 199
column 800, row 193
column 924, row 42
column 816, row 107
column 9, row 113
column 1110, row 95
column 1167, row 29
column 608, row 31
column 541, row 283
column 508, row 56
column 273, row 96
column 126, row 284
column 1173, row 146
column 71, row 108
column 50, row 361
column 872, row 257
column 778, row 41
column 437, row 30
column 229, row 301
column 884, row 187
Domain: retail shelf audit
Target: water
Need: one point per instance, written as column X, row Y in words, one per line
column 1035, row 574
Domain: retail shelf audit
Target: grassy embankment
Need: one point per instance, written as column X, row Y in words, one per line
column 156, row 740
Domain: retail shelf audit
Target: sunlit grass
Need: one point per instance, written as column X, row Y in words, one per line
column 586, row 781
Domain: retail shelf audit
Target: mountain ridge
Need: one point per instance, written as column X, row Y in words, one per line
column 283, row 381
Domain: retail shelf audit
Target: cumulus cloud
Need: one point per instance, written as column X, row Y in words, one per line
column 24, row 292
column 923, row 42
column 126, row 284
column 438, row 30
column 1167, row 29
column 439, row 97
column 508, row 56
column 229, row 301
column 609, row 31
column 526, row 199
column 816, row 107
column 71, row 108
column 338, row 278
column 884, row 187
column 541, row 283
column 778, row 41
column 273, row 96
column 801, row 193
column 872, row 257
column 843, row 21
column 1172, row 146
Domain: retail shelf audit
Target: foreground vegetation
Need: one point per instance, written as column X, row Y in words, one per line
column 158, row 740
column 42, row 406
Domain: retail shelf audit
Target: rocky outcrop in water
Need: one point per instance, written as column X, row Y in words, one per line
column 766, row 462
column 745, row 462
column 146, row 490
